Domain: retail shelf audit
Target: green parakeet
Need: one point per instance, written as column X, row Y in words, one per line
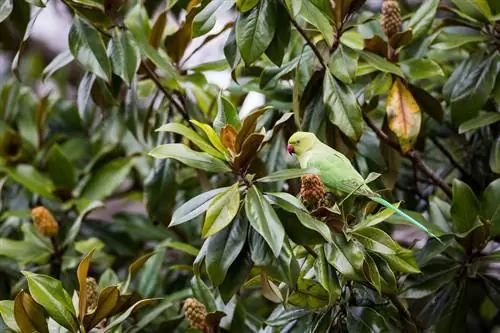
column 336, row 171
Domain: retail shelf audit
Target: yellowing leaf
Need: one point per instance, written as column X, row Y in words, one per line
column 403, row 114
column 82, row 271
column 212, row 135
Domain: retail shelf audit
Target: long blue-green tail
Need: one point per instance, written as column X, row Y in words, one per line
column 387, row 204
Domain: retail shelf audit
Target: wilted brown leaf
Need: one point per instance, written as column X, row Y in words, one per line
column 228, row 137
column 403, row 114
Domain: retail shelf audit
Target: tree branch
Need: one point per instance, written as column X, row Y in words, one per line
column 412, row 155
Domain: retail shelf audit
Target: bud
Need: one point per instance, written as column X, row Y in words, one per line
column 44, row 222
column 92, row 294
column 312, row 191
column 195, row 313
column 391, row 17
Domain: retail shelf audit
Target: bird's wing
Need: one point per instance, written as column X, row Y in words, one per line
column 337, row 172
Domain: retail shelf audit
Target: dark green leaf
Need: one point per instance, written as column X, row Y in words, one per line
column 231, row 51
column 190, row 157
column 421, row 20
column 83, row 97
column 50, row 293
column 343, row 108
column 264, row 220
column 223, row 249
column 490, row 206
column 60, row 168
column 318, row 18
column 421, row 68
column 478, row 9
column 376, row 240
column 345, row 256
column 205, row 20
column 464, row 207
column 494, row 160
column 484, row 119
column 75, row 228
column 160, row 189
column 277, row 48
column 86, row 45
column 282, row 316
column 327, row 277
column 236, row 274
column 146, row 285
column 404, row 262
column 428, row 103
column 255, row 30
column 365, row 320
column 309, row 293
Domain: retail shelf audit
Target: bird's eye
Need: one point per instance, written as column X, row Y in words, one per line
column 297, row 142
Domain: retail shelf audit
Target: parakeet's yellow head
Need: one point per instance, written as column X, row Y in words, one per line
column 301, row 142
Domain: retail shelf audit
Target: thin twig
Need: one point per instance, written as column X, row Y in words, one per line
column 308, row 41
column 152, row 75
column 413, row 155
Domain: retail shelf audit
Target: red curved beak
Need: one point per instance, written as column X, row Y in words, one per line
column 290, row 149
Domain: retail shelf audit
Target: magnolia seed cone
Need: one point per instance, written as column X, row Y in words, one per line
column 44, row 222
column 391, row 17
column 92, row 294
column 195, row 313
column 312, row 192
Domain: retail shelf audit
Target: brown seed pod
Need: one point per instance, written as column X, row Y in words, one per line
column 391, row 17
column 312, row 191
column 44, row 222
column 195, row 313
column 92, row 294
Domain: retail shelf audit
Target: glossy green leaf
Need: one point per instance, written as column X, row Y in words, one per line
column 84, row 102
column 236, row 275
column 276, row 50
column 30, row 178
column 136, row 306
column 319, row 19
column 362, row 319
column 245, row 5
column 6, row 7
column 255, row 30
column 192, row 136
column 478, row 9
column 62, row 59
column 29, row 29
column 376, row 240
column 484, row 119
column 327, row 277
column 125, row 55
column 50, row 293
column 281, row 316
column 490, row 206
column 7, row 314
column 345, row 256
column 226, row 114
column 87, row 46
column 421, row 68
column 221, row 211
column 287, row 174
column 264, row 220
column 223, row 249
column 203, row 294
column 372, row 273
column 464, row 207
column 424, row 285
column 387, row 278
column 146, row 285
column 421, row 20
column 403, row 262
column 106, row 179
column 343, row 63
column 310, row 294
column 205, row 20
column 380, row 63
column 190, row 157
column 195, row 206
column 343, row 108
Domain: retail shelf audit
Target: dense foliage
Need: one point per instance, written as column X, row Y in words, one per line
column 237, row 237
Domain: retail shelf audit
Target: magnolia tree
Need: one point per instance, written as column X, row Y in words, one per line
column 236, row 236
